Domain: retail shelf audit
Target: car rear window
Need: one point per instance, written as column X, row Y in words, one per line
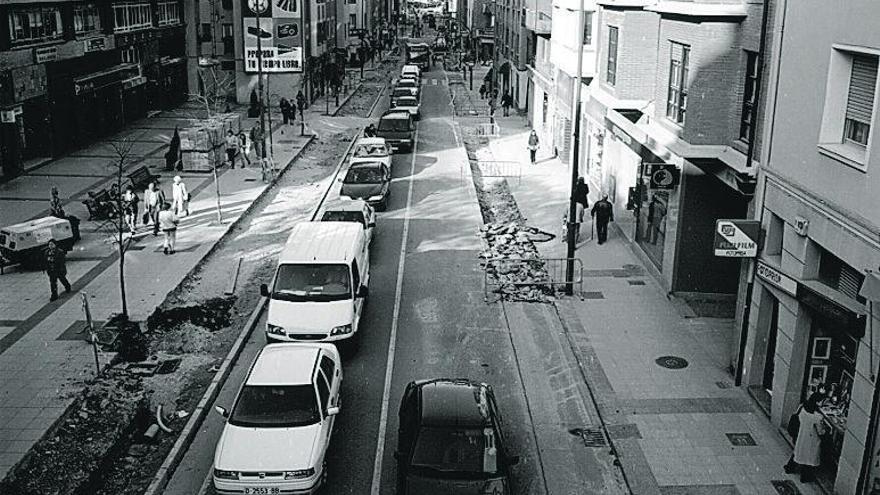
column 366, row 150
column 456, row 452
column 343, row 216
column 394, row 124
column 363, row 175
column 275, row 406
column 407, row 102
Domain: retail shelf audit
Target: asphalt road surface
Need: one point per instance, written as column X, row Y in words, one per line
column 425, row 317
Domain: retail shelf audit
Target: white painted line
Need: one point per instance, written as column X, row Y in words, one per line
column 392, row 339
column 433, row 82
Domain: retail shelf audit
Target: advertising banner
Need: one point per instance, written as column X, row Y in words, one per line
column 279, row 34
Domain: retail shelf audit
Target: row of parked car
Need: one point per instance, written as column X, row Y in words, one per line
column 406, row 91
column 277, row 432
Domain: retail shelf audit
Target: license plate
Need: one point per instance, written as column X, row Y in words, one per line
column 262, row 490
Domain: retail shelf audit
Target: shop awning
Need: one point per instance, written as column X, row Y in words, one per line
column 104, row 78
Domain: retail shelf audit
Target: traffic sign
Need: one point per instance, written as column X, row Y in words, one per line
column 737, row 238
column 662, row 175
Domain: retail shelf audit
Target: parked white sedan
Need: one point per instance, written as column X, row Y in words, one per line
column 371, row 149
column 278, row 430
column 350, row 210
column 410, row 104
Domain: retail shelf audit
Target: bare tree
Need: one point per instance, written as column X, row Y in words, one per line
column 123, row 151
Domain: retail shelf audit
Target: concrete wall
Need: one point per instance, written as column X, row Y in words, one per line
column 636, row 53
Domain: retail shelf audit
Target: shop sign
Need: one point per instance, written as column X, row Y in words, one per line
column 736, row 238
column 831, row 310
column 29, row 82
column 621, row 135
column 8, row 116
column 279, row 35
column 777, row 279
column 662, row 175
column 95, row 45
column 45, row 54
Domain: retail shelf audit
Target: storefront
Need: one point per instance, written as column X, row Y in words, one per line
column 167, row 82
column 100, row 98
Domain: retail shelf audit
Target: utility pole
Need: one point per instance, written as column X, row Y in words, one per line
column 258, row 6
column 572, row 206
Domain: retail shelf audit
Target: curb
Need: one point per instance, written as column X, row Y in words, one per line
column 187, row 435
column 343, row 102
column 378, row 98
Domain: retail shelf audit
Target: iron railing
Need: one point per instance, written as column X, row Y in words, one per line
column 548, row 275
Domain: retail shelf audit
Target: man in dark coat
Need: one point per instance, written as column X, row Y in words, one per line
column 300, row 103
column 581, row 192
column 603, row 211
column 56, row 268
column 506, row 102
column 285, row 111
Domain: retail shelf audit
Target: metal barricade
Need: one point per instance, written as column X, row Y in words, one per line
column 507, row 276
column 500, row 168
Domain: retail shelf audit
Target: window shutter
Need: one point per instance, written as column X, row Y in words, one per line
column 862, row 84
column 850, row 281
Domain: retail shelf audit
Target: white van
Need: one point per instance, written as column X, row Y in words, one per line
column 320, row 285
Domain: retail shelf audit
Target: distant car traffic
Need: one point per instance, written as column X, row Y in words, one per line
column 411, row 69
column 351, row 210
column 410, row 104
column 278, row 430
column 450, row 440
column 370, row 181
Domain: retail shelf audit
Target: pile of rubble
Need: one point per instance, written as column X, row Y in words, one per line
column 512, row 264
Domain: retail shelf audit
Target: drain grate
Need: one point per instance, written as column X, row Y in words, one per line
column 785, row 487
column 635, row 282
column 723, row 385
column 250, row 179
column 741, row 439
column 592, row 436
column 592, row 295
column 672, row 362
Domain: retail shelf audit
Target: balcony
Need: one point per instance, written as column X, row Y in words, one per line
column 538, row 21
column 486, row 34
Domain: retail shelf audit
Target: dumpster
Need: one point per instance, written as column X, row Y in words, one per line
column 24, row 243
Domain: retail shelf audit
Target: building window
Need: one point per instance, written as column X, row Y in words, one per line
column 352, row 21
column 835, row 273
column 85, row 18
column 131, row 16
column 860, row 99
column 228, row 39
column 611, row 70
column 34, row 24
column 676, row 103
column 169, row 13
column 749, row 91
column 130, row 55
column 206, row 33
column 588, row 28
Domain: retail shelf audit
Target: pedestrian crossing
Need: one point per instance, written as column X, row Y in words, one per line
column 434, row 82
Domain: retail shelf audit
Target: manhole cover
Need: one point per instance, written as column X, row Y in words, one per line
column 785, row 487
column 741, row 439
column 672, row 362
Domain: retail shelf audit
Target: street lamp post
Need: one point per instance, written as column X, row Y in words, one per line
column 572, row 206
column 258, row 6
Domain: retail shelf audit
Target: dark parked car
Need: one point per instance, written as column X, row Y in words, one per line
column 369, row 181
column 450, row 440
column 398, row 128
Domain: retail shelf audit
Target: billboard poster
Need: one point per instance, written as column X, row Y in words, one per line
column 279, row 35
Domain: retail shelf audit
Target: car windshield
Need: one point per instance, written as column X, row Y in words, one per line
column 363, row 175
column 406, row 83
column 395, row 125
column 407, row 102
column 363, row 150
column 455, row 452
column 275, row 406
column 319, row 282
column 343, row 216
column 402, row 92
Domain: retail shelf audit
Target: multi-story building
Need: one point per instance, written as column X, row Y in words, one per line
column 73, row 72
column 511, row 74
column 478, row 19
column 819, row 207
column 674, row 95
column 540, row 97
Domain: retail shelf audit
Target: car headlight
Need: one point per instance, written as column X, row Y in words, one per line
column 274, row 329
column 302, row 473
column 226, row 475
column 341, row 330
column 377, row 197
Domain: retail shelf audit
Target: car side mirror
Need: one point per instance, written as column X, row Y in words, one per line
column 221, row 411
column 512, row 460
column 264, row 290
column 371, row 224
column 363, row 291
column 332, row 410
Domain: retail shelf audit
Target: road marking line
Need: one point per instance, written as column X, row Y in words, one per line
column 392, row 339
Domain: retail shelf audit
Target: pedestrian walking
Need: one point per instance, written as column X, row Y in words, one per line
column 581, row 193
column 179, row 197
column 256, row 137
column 173, row 155
column 492, row 106
column 56, row 268
column 483, row 91
column 231, row 147
column 244, row 144
column 603, row 211
column 285, row 110
column 154, row 199
column 506, row 102
column 300, row 103
column 807, row 446
column 130, row 202
column 533, row 145
column 56, row 209
column 168, row 223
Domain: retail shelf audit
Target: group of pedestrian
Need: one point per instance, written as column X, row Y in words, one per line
column 163, row 215
column 289, row 109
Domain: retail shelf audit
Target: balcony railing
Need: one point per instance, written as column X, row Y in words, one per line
column 486, row 33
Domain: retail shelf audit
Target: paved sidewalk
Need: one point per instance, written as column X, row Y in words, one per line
column 675, row 430
column 44, row 360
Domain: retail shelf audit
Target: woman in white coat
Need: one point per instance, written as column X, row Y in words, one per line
column 808, row 446
column 179, row 197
